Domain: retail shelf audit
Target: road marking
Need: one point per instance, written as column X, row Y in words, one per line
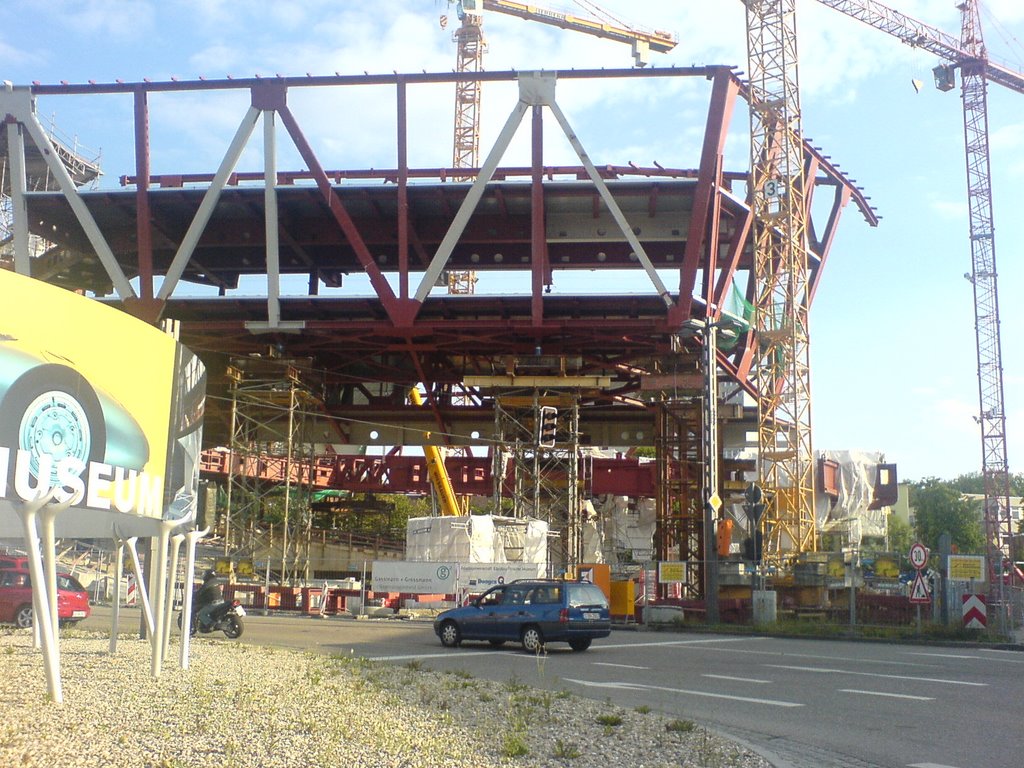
column 888, row 695
column 1016, row 660
column 877, row 674
column 788, row 655
column 737, row 679
column 944, row 655
column 929, row 765
column 623, row 666
column 405, row 657
column 705, row 694
column 668, row 643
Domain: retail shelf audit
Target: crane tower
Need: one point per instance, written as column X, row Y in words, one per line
column 778, row 199
column 969, row 55
column 472, row 45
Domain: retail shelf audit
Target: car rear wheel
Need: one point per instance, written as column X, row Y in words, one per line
column 579, row 643
column 450, row 634
column 533, row 639
column 23, row 616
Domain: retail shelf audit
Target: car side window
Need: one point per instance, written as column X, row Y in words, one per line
column 517, row 595
column 493, row 597
column 546, row 595
column 14, row 579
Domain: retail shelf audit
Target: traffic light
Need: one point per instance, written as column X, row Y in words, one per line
column 547, row 426
column 754, row 505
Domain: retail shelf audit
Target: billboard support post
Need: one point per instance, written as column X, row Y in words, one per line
column 115, row 613
column 172, row 577
column 43, row 625
column 192, row 539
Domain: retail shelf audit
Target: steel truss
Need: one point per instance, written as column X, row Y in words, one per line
column 214, row 228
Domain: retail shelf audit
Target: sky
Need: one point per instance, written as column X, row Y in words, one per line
column 893, row 355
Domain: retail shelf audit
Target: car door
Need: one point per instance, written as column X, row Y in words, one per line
column 513, row 612
column 480, row 620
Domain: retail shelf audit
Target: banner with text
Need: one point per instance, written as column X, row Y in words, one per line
column 447, row 578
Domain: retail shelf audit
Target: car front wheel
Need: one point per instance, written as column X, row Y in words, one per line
column 450, row 635
column 533, row 639
column 23, row 617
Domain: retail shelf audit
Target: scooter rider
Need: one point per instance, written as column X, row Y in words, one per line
column 207, row 597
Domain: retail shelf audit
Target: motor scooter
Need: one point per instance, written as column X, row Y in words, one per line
column 226, row 617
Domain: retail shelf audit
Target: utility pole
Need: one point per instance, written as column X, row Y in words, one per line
column 710, row 449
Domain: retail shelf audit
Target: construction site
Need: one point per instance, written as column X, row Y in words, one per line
column 663, row 433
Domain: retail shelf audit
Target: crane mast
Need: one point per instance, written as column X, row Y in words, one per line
column 472, row 45
column 778, row 198
column 976, row 70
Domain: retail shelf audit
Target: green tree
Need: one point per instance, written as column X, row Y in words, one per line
column 974, row 482
column 900, row 535
column 940, row 508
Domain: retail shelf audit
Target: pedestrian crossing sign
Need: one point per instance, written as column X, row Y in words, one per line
column 919, row 591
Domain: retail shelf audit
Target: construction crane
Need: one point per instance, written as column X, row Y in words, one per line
column 778, row 199
column 968, row 54
column 436, row 470
column 471, row 47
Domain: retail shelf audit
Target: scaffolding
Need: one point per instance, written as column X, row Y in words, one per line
column 549, row 479
column 84, row 170
column 271, row 415
column 679, row 531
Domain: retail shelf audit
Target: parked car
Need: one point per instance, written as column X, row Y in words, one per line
column 16, row 598
column 531, row 612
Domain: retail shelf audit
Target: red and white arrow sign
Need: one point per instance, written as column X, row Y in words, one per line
column 975, row 612
column 919, row 591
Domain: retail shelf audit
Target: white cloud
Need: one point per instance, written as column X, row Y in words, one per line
column 10, row 54
column 101, row 19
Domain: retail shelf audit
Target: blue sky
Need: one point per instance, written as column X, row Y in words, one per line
column 893, row 352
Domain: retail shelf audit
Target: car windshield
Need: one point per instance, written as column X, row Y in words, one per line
column 585, row 594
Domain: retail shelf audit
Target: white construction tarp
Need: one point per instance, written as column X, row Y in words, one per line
column 628, row 525
column 475, row 539
column 849, row 514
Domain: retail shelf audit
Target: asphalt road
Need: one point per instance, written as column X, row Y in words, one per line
column 810, row 703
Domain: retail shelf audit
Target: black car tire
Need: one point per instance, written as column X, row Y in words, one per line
column 450, row 634
column 233, row 626
column 56, row 379
column 580, row 643
column 532, row 639
column 23, row 616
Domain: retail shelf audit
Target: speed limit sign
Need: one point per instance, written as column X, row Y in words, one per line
column 918, row 555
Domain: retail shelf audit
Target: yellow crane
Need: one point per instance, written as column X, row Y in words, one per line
column 436, row 470
column 471, row 43
column 778, row 197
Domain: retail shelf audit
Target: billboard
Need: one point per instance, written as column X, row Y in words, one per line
column 103, row 407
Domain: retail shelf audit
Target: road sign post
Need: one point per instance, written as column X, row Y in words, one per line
column 919, row 592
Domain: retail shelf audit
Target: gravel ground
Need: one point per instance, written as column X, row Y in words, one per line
column 240, row 705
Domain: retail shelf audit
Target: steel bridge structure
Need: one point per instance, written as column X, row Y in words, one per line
column 685, row 227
